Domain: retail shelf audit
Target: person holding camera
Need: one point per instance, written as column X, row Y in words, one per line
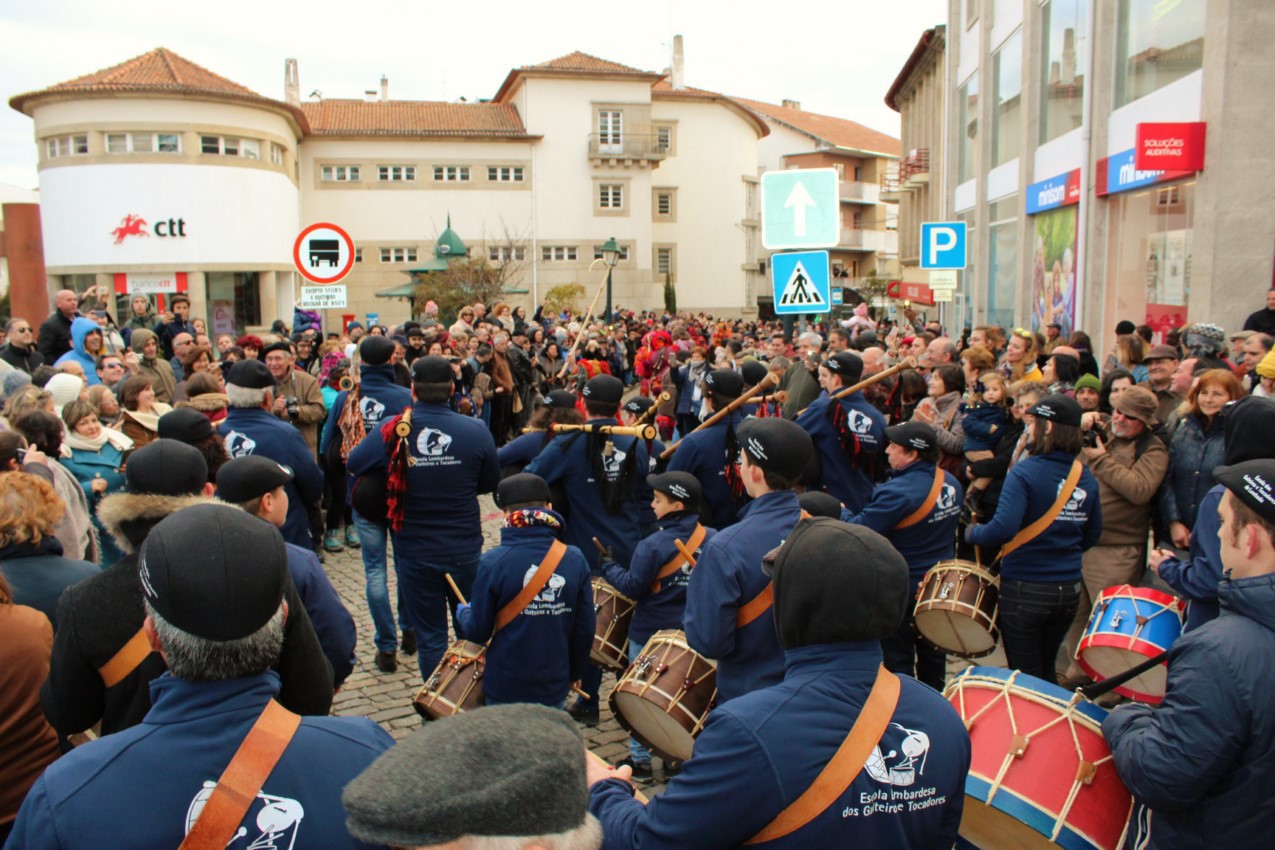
column 297, row 398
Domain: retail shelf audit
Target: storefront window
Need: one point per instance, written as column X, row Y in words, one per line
column 234, row 302
column 965, row 279
column 1002, row 262
column 968, row 98
column 1062, row 76
column 1159, row 41
column 1149, row 256
column 1007, row 108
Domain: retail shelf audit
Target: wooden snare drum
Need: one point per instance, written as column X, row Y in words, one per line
column 614, row 612
column 956, row 606
column 1041, row 774
column 665, row 696
column 456, row 684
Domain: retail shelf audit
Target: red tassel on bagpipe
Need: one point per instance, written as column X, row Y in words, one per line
column 396, row 479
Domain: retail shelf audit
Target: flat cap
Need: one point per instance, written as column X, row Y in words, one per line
column 432, row 369
column 375, row 350
column 1059, row 409
column 166, row 467
column 681, row 486
column 244, row 479
column 185, row 424
column 776, row 445
column 251, row 374
column 819, row 503
column 917, row 436
column 505, row 770
column 1162, row 352
column 523, row 488
column 603, row 389
column 276, row 346
column 725, row 382
column 1253, row 483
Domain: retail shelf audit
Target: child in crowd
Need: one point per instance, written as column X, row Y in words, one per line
column 985, row 415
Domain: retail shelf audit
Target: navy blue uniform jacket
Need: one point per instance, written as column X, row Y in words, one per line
column 927, row 542
column 332, row 621
column 565, row 461
column 1030, row 488
column 545, row 648
column 379, row 399
column 727, row 578
column 1197, row 577
column 703, row 454
column 453, row 459
column 521, row 450
column 843, row 477
column 253, row 431
column 661, row 609
column 759, row 753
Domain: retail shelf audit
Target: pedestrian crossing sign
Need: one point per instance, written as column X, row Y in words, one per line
column 801, row 282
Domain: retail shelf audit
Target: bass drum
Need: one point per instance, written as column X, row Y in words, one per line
column 456, row 684
column 614, row 612
column 956, row 606
column 665, row 696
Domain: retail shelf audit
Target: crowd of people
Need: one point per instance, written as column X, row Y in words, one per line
column 167, row 500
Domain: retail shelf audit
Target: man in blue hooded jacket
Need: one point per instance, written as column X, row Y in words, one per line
column 838, row 590
column 849, row 433
column 86, row 345
column 1202, row 763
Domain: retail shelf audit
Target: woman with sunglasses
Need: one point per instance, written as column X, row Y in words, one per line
column 1020, row 357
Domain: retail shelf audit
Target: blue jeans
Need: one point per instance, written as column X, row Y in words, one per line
column 426, row 597
column 1034, row 619
column 372, row 538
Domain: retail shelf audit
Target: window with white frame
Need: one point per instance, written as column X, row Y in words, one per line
column 597, row 252
column 143, row 143
column 395, row 173
column 663, row 139
column 663, row 260
column 451, row 173
column 505, row 173
column 77, row 145
column 611, row 130
column 557, row 253
column 339, row 173
column 276, row 153
column 611, row 196
column 664, row 203
column 230, row 146
column 506, row 253
column 398, row 255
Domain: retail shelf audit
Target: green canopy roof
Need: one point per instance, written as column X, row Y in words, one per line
column 403, row 290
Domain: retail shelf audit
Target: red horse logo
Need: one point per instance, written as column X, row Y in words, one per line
column 130, row 225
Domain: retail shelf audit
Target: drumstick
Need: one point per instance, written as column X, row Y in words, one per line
column 455, row 587
column 686, row 553
column 594, row 757
column 580, row 692
column 601, row 548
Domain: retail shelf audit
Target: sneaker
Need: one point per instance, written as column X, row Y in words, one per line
column 386, row 662
column 332, row 541
column 584, row 712
column 352, row 537
column 642, row 771
column 409, row 642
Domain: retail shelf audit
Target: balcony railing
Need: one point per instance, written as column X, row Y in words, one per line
column 642, row 148
column 856, row 192
column 881, row 241
column 891, row 188
column 915, row 168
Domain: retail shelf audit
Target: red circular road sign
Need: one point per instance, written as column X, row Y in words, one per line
column 323, row 253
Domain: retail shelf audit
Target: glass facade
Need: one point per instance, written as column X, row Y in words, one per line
column 1007, row 107
column 1149, row 255
column 234, row 302
column 1002, row 262
column 1063, row 53
column 1159, row 41
column 968, row 104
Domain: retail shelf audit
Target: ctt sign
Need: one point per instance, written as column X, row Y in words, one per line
column 943, row 245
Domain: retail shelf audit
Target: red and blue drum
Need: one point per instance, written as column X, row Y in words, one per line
column 1041, row 774
column 1129, row 625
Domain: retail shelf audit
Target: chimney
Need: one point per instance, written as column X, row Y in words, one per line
column 678, row 80
column 291, row 83
column 385, row 87
column 791, row 104
column 369, row 95
column 1069, row 56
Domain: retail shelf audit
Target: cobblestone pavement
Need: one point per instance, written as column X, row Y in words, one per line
column 387, row 697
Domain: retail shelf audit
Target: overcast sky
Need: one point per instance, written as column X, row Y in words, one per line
column 837, row 57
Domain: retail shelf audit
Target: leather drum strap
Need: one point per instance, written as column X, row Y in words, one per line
column 846, row 764
column 1031, row 532
column 128, row 659
column 931, row 500
column 529, row 591
column 760, row 604
column 242, row 779
column 692, row 543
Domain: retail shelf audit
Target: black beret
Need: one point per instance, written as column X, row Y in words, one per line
column 564, row 399
column 432, row 369
column 819, row 503
column 837, row 583
column 1253, row 483
column 1058, row 408
column 725, row 382
column 244, row 479
column 913, row 435
column 214, row 571
column 524, row 775
column 681, row 486
column 166, row 468
column 1247, row 426
column 251, row 374
column 375, row 350
column 847, row 364
column 276, row 346
column 776, row 445
column 603, row 389
column 753, row 372
column 639, row 404
column 185, row 424
column 523, row 488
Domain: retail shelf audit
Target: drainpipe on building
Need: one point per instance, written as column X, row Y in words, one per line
column 1086, row 135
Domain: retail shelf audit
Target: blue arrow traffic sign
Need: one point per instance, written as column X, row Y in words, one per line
column 800, row 208
column 801, row 282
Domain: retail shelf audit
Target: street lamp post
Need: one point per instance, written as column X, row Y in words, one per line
column 611, row 255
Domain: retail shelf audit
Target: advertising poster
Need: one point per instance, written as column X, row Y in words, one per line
column 1163, row 318
column 1054, row 270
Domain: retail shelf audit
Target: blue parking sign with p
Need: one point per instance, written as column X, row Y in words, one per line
column 943, row 245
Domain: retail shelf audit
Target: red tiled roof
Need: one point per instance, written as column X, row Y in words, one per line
column 574, row 64
column 663, row 90
column 159, row 71
column 835, row 131
column 413, row 118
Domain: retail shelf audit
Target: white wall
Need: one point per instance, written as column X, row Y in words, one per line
column 1178, row 101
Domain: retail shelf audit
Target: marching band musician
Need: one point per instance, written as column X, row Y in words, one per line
column 728, row 600
column 849, row 433
column 538, row 654
column 711, row 453
column 917, row 510
column 896, row 752
column 559, row 409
